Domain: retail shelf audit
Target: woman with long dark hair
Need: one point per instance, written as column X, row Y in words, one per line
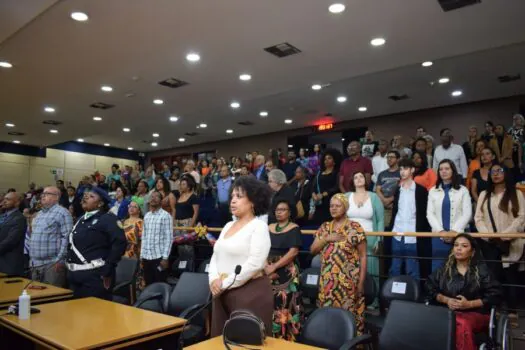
column 501, row 209
column 480, row 177
column 449, row 209
column 169, row 201
column 475, row 162
column 465, row 285
column 423, row 175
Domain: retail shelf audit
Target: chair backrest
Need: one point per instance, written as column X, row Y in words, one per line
column 191, row 289
column 370, row 290
column 328, row 328
column 182, row 265
column 316, row 262
column 126, row 270
column 399, row 288
column 203, row 267
column 158, row 304
column 310, row 282
column 415, row 326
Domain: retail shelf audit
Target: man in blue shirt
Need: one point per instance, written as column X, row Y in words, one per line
column 223, row 194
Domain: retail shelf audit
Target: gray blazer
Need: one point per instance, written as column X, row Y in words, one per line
column 12, row 235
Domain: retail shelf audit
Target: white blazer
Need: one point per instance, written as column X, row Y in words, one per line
column 460, row 209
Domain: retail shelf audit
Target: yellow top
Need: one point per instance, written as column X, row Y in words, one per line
column 271, row 343
column 9, row 292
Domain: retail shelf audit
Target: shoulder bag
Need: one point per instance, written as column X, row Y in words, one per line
column 503, row 246
column 243, row 327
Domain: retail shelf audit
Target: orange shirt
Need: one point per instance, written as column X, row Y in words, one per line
column 427, row 180
column 205, row 171
column 473, row 166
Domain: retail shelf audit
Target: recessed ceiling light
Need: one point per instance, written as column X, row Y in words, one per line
column 80, row 140
column 53, row 131
column 130, row 148
column 342, row 139
column 79, row 16
column 341, row 99
column 235, row 104
column 362, row 109
column 202, row 125
column 263, row 114
column 193, row 57
column 229, row 131
column 182, row 139
column 5, row 64
column 288, row 121
column 10, row 125
column 290, row 146
column 155, row 134
column 154, row 144
column 106, row 88
column 49, row 109
column 457, row 93
column 443, row 80
column 427, row 63
column 173, row 118
column 126, row 129
column 16, row 141
column 378, row 42
column 107, row 144
column 245, row 77
column 97, row 119
column 336, row 8
column 316, row 87
column 158, row 101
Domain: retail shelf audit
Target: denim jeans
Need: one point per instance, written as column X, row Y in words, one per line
column 440, row 249
column 400, row 248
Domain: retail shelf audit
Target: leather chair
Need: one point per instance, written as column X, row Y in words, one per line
column 309, row 279
column 316, row 262
column 154, row 297
column 370, row 290
column 180, row 266
column 203, row 267
column 124, row 291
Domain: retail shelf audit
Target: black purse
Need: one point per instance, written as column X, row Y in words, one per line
column 243, row 327
column 503, row 246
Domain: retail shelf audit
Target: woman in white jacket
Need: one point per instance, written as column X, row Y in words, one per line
column 449, row 209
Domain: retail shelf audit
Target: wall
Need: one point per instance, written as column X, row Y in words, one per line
column 18, row 171
column 458, row 118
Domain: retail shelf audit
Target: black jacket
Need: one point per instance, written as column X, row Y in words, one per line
column 12, row 236
column 286, row 193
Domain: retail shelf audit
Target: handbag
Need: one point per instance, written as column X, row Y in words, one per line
column 299, row 206
column 243, row 327
column 503, row 246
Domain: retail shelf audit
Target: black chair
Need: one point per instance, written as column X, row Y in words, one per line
column 154, row 297
column 124, row 291
column 203, row 267
column 330, row 328
column 180, row 266
column 416, row 326
column 316, row 262
column 309, row 279
column 190, row 294
column 370, row 290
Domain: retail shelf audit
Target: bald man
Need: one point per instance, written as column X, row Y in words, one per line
column 49, row 239
column 12, row 234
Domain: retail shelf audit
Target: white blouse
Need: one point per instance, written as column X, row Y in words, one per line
column 363, row 215
column 249, row 247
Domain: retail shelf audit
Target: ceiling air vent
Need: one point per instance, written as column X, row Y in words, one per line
column 16, row 133
column 173, row 83
column 509, row 78
column 191, row 134
column 282, row 50
column 101, row 105
column 245, row 123
column 399, row 97
column 449, row 5
column 51, row 122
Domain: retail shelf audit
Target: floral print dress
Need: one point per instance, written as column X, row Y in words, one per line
column 288, row 309
column 133, row 230
column 340, row 271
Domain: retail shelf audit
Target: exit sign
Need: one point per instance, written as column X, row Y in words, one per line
column 324, row 127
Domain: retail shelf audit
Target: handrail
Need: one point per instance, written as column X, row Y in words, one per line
column 388, row 234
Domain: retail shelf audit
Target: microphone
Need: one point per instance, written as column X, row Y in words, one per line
column 238, row 269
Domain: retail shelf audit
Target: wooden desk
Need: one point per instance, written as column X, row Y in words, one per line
column 2, row 275
column 9, row 292
column 271, row 343
column 92, row 323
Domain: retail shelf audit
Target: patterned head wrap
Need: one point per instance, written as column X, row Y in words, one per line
column 343, row 199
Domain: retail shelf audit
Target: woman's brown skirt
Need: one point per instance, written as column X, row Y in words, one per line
column 255, row 296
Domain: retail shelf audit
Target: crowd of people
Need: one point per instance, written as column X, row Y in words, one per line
column 263, row 202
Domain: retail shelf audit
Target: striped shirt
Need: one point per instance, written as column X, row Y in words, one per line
column 157, row 235
column 49, row 235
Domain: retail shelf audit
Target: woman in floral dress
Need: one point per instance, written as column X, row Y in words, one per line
column 342, row 246
column 283, row 270
column 133, row 227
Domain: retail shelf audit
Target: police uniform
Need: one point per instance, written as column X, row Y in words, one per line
column 96, row 244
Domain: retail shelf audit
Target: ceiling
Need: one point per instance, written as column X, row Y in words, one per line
column 132, row 45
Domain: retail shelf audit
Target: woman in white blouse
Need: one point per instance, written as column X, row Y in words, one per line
column 244, row 242
column 449, row 209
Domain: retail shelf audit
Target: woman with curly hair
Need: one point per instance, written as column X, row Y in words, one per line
column 467, row 287
column 341, row 244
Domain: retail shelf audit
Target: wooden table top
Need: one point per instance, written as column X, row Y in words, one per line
column 2, row 275
column 271, row 343
column 90, row 322
column 9, row 292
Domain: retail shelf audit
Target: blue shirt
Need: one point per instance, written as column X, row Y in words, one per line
column 259, row 172
column 445, row 208
column 223, row 190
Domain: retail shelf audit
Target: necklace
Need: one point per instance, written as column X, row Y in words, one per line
column 279, row 228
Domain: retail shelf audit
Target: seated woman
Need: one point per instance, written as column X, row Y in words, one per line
column 283, row 271
column 342, row 245
column 466, row 286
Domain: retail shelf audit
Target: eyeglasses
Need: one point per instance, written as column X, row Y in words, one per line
column 497, row 171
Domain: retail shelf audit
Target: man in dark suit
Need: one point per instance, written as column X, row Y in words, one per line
column 12, row 235
column 259, row 170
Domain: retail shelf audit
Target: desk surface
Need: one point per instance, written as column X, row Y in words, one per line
column 90, row 323
column 271, row 343
column 9, row 292
column 2, row 275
